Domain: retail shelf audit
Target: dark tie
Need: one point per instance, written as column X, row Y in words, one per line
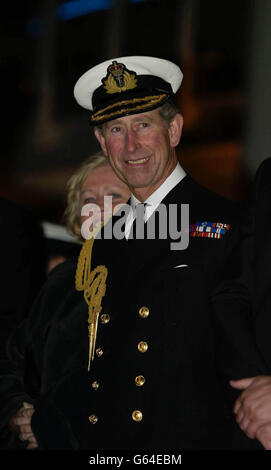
column 139, row 227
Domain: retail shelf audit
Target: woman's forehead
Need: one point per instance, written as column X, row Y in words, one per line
column 103, row 175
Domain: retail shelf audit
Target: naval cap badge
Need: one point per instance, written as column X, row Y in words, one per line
column 119, row 78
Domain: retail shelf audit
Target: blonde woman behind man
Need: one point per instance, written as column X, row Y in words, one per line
column 93, row 180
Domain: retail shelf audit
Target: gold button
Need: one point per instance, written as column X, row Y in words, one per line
column 99, row 352
column 144, row 312
column 95, row 385
column 139, row 380
column 105, row 318
column 137, row 415
column 93, row 419
column 142, row 346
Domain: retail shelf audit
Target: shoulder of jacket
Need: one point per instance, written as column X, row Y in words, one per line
column 63, row 271
column 216, row 204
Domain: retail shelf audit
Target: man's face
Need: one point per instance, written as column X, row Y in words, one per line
column 141, row 149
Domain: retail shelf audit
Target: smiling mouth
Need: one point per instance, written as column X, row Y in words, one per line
column 139, row 161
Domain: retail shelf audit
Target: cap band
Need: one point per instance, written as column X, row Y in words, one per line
column 125, row 107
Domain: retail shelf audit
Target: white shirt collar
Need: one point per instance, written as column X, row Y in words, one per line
column 157, row 196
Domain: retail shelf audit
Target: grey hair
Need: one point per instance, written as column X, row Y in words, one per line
column 168, row 111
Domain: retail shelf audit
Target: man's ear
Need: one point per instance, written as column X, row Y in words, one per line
column 175, row 130
column 99, row 136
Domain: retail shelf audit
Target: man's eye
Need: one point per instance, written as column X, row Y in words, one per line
column 115, row 129
column 116, row 196
column 143, row 124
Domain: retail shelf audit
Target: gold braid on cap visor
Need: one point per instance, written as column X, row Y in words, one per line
column 151, row 101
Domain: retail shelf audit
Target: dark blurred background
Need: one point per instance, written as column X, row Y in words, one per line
column 223, row 48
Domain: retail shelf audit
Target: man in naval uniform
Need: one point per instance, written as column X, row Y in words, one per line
column 136, row 356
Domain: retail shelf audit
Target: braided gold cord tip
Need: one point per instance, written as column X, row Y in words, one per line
column 93, row 283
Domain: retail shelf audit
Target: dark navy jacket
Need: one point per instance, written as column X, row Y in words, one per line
column 193, row 351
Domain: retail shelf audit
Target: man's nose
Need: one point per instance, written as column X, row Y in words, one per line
column 132, row 140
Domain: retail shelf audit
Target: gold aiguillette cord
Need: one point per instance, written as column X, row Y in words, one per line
column 93, row 283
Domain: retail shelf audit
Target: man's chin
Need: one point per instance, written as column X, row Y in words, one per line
column 138, row 185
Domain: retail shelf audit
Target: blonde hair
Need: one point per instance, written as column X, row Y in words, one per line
column 72, row 211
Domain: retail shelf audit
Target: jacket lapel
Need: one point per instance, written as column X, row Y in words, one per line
column 131, row 258
column 146, row 254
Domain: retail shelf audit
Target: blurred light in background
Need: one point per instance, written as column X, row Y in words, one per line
column 73, row 9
